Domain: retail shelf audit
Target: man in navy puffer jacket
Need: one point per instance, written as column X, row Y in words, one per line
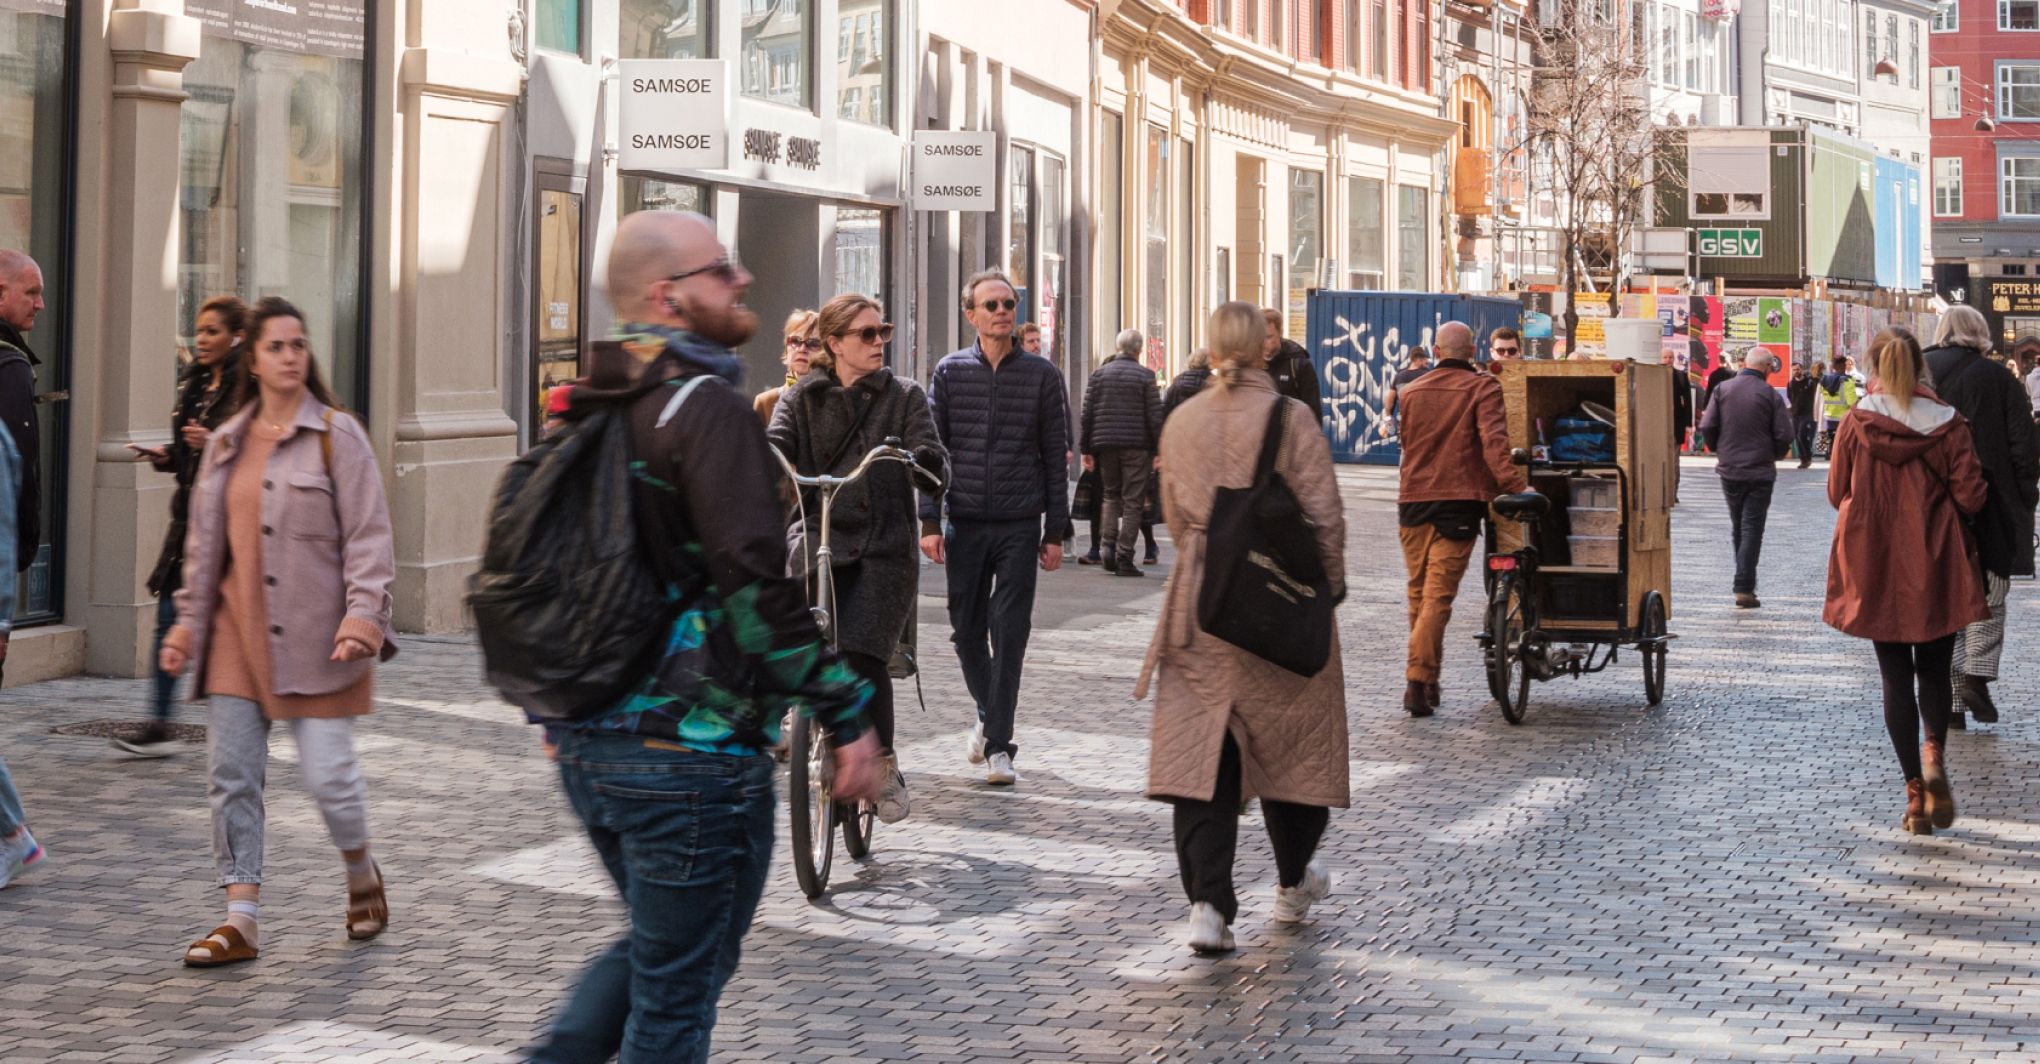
column 1001, row 413
column 1122, row 431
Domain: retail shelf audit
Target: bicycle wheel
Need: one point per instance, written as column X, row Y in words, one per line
column 1654, row 648
column 1508, row 624
column 857, row 824
column 809, row 807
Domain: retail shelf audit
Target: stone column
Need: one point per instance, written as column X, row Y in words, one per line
column 454, row 211
column 151, row 42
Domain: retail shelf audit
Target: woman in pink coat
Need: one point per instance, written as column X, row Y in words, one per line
column 1903, row 571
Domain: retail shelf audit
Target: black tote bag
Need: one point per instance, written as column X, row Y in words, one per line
column 1265, row 589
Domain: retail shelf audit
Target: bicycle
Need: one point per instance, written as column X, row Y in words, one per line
column 813, row 812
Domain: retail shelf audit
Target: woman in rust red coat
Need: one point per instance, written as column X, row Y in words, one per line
column 1903, row 571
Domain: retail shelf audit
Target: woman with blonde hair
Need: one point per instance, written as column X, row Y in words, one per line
column 284, row 610
column 1229, row 726
column 846, row 405
column 801, row 349
column 1902, row 571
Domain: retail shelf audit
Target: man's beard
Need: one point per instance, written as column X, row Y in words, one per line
column 728, row 325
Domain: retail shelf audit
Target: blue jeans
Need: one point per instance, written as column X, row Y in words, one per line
column 1802, row 435
column 687, row 837
column 992, row 568
column 12, row 819
column 166, row 684
column 1749, row 503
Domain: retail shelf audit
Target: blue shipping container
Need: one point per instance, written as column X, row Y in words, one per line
column 1359, row 341
column 1897, row 227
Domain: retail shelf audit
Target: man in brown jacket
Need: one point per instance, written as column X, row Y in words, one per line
column 1455, row 458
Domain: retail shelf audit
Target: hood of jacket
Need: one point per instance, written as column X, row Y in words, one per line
column 1899, row 435
column 643, row 357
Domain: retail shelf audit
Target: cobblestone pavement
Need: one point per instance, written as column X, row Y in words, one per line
column 1720, row 878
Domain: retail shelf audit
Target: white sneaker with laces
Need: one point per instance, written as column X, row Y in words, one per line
column 976, row 749
column 1209, row 933
column 893, row 804
column 17, row 855
column 1292, row 904
column 1000, row 771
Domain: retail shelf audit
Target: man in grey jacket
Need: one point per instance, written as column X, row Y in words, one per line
column 1121, row 432
column 1749, row 430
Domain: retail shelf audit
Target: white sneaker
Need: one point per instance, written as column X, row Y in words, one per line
column 17, row 856
column 976, row 749
column 1000, row 771
column 1292, row 904
column 893, row 804
column 1209, row 932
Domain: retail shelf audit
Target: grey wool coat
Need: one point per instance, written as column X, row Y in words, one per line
column 874, row 530
column 1291, row 730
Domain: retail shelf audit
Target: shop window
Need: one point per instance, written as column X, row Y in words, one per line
column 1020, row 229
column 651, row 194
column 1155, row 279
column 1948, row 186
column 1944, row 92
column 1052, row 305
column 1412, row 250
column 864, row 62
column 34, row 185
column 558, row 25
column 665, row 29
column 860, row 251
column 559, row 295
column 1186, row 239
column 272, row 194
column 776, row 48
column 1306, row 242
column 1364, row 232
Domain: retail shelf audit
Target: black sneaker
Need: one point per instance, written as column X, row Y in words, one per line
column 1975, row 691
column 1111, row 565
column 1127, row 569
column 1089, row 559
column 1152, row 558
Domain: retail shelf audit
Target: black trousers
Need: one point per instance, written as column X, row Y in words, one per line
column 1208, row 833
column 881, row 708
column 1917, row 688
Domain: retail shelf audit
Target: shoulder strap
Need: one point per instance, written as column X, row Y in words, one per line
column 1271, row 440
column 680, row 394
column 849, row 439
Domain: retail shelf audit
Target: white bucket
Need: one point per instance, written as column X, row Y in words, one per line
column 1636, row 339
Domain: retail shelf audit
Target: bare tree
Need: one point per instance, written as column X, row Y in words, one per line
column 1590, row 131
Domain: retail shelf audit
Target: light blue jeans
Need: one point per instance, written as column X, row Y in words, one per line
column 12, row 819
column 237, row 748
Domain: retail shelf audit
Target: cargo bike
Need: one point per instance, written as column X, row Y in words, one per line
column 1579, row 568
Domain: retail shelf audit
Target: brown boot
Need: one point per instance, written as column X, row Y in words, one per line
column 1940, row 796
column 1416, row 700
column 1916, row 808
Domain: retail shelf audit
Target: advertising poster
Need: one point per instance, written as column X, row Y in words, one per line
column 1704, row 335
column 1675, row 319
column 1537, row 324
column 1592, row 341
column 1774, row 322
column 333, row 28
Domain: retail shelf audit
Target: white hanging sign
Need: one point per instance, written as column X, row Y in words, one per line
column 673, row 114
column 956, row 170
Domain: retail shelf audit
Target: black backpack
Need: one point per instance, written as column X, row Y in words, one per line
column 571, row 612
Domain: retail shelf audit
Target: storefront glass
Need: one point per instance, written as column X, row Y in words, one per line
column 1364, row 233
column 1186, row 237
column 777, row 50
column 1020, row 228
column 1111, row 232
column 558, row 25
column 1155, row 319
column 651, row 194
column 863, row 62
column 1054, row 311
column 860, row 252
column 664, row 29
column 1412, row 250
column 1306, row 242
column 271, row 171
column 34, row 111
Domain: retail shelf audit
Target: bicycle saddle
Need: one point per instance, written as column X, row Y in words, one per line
column 1525, row 506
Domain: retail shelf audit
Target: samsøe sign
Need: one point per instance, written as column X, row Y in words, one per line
column 673, row 114
column 956, row 170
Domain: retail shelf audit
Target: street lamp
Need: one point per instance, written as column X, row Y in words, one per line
column 1885, row 68
column 1984, row 124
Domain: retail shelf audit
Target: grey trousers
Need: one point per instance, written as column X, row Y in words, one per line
column 1123, row 476
column 237, row 749
column 1979, row 646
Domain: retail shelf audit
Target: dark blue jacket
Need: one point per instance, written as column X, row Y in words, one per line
column 1007, row 432
column 1747, row 425
column 1122, row 408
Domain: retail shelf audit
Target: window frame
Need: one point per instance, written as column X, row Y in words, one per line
column 1952, row 187
column 881, row 35
column 583, row 23
column 2005, row 179
column 2000, row 83
column 1937, row 85
column 2004, row 16
column 807, row 57
column 1953, row 10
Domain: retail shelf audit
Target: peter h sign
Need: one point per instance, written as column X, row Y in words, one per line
column 1731, row 243
column 956, row 170
column 673, row 114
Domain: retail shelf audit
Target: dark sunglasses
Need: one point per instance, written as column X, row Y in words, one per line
column 1506, row 350
column 809, row 344
column 723, row 269
column 999, row 304
column 872, row 334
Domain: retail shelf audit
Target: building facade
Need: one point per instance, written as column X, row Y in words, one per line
column 1985, row 174
column 1257, row 150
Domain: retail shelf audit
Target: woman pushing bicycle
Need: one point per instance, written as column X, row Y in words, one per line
column 846, row 405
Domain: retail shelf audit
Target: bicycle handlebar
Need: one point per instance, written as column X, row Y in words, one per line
column 889, row 451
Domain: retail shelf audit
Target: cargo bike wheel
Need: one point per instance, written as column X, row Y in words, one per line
column 1651, row 641
column 1509, row 622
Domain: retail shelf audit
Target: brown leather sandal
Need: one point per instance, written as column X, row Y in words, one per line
column 224, row 946
column 368, row 912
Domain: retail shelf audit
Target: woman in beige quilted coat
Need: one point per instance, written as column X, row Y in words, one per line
column 1229, row 726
